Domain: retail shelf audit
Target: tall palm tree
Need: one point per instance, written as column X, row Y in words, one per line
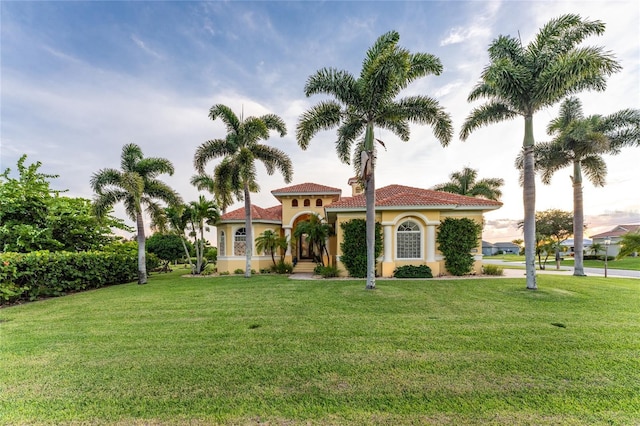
column 522, row 80
column 369, row 101
column 240, row 149
column 580, row 142
column 201, row 212
column 136, row 185
column 465, row 183
column 177, row 218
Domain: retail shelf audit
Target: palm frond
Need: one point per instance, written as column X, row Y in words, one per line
column 105, row 200
column 104, row 178
column 423, row 64
column 131, row 154
column 209, row 150
column 331, row 81
column 489, row 113
column 155, row 189
column 274, row 158
column 274, row 122
column 595, row 169
column 152, row 167
column 322, row 116
column 228, row 117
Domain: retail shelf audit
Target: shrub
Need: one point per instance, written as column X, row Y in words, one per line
column 224, row 273
column 28, row 276
column 456, row 238
column 282, row 267
column 354, row 246
column 492, row 270
column 327, row 271
column 413, row 271
column 239, row 271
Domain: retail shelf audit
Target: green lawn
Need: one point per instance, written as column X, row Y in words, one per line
column 270, row 350
column 630, row 263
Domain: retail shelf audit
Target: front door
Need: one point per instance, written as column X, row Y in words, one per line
column 305, row 249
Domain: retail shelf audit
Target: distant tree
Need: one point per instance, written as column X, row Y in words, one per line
column 239, row 150
column 202, row 212
column 522, row 80
column 580, row 142
column 465, row 183
column 359, row 105
column 222, row 191
column 136, row 185
column 553, row 226
column 596, row 248
column 629, row 244
column 168, row 247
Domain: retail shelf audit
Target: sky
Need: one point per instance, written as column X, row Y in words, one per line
column 81, row 79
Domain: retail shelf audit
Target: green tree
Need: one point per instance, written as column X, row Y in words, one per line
column 168, row 247
column 202, row 212
column 465, row 183
column 553, row 226
column 317, row 232
column 223, row 193
column 136, row 185
column 176, row 221
column 35, row 217
column 456, row 239
column 596, row 248
column 522, row 80
column 240, row 149
column 629, row 244
column 359, row 105
column 270, row 242
column 580, row 142
column 354, row 246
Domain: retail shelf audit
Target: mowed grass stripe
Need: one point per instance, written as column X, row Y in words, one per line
column 229, row 350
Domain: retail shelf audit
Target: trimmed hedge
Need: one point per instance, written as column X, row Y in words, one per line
column 29, row 276
column 413, row 271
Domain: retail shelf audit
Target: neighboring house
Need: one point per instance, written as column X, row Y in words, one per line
column 568, row 246
column 615, row 234
column 488, row 249
column 507, row 248
column 409, row 218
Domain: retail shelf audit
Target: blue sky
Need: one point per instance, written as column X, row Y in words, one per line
column 81, row 79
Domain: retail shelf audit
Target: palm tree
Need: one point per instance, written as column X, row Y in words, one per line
column 221, row 191
column 580, row 142
column 270, row 242
column 136, row 186
column 317, row 232
column 520, row 81
column 239, row 150
column 369, row 101
column 464, row 183
column 176, row 218
column 629, row 244
column 201, row 212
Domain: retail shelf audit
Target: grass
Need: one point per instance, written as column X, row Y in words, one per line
column 629, row 263
column 270, row 350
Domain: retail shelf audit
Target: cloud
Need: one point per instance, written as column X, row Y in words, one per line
column 141, row 44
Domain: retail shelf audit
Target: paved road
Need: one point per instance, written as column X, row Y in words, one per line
column 551, row 267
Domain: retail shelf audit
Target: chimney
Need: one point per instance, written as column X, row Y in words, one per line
column 356, row 186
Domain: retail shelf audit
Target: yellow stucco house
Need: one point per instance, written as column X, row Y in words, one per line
column 409, row 218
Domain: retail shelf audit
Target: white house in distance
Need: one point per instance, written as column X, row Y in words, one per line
column 615, row 235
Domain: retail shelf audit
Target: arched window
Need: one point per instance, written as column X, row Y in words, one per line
column 319, row 202
column 307, row 202
column 222, row 242
column 240, row 242
column 294, row 202
column 408, row 240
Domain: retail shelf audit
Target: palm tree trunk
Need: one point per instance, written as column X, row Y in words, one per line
column 142, row 258
column 186, row 251
column 529, row 199
column 248, row 232
column 578, row 221
column 201, row 258
column 371, row 226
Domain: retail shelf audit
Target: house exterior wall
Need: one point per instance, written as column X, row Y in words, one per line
column 229, row 262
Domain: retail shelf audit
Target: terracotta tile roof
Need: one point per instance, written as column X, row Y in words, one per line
column 306, row 188
column 257, row 214
column 406, row 196
column 618, row 231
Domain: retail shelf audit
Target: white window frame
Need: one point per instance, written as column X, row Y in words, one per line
column 420, row 234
